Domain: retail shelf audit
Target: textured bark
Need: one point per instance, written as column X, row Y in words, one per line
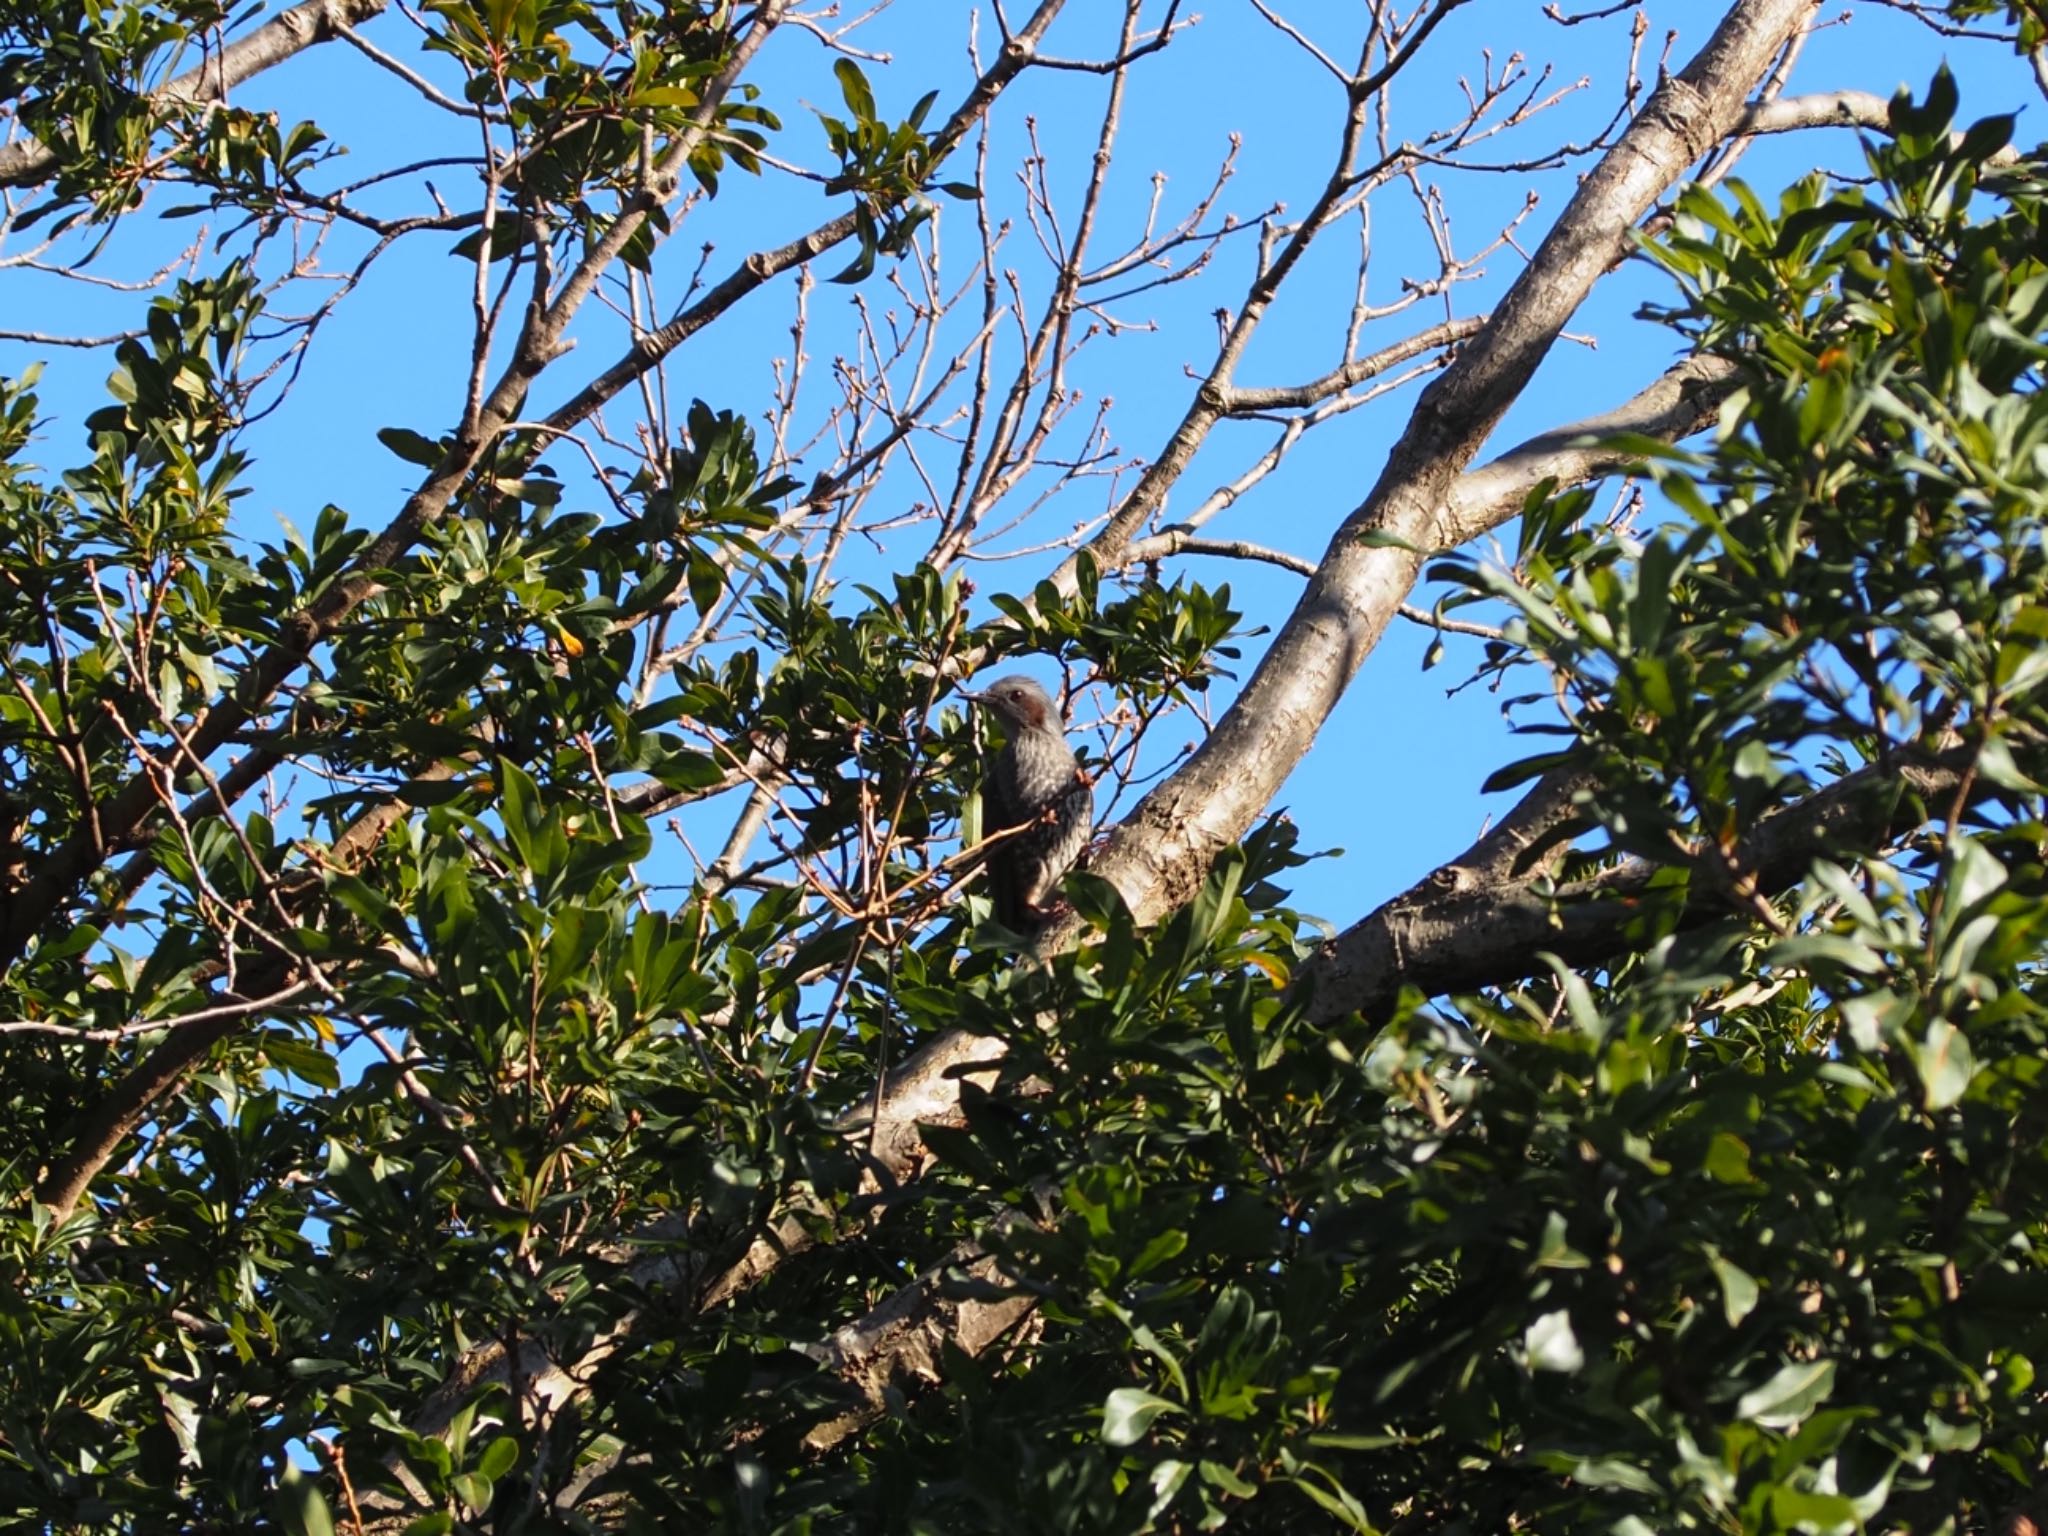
column 900, row 1346
column 1159, row 856
column 1158, row 863
column 1474, row 923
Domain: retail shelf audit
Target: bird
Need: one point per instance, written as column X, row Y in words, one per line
column 1037, row 784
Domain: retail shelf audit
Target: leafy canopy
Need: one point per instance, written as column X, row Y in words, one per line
column 1735, row 1229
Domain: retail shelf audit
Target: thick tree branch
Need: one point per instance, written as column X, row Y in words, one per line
column 1528, row 841
column 1159, row 856
column 1679, row 402
column 1471, row 924
column 1161, row 853
column 897, row 1347
column 901, row 1345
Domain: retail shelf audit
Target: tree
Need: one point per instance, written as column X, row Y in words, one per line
column 405, row 1132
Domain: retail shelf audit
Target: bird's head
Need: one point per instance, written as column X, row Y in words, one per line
column 1018, row 702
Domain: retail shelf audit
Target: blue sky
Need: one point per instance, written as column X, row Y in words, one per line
column 395, row 352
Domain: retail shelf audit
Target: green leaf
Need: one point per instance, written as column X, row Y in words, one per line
column 1217, row 1475
column 1168, row 1478
column 1945, row 1064
column 707, row 583
column 863, row 265
column 411, row 446
column 1549, row 1344
column 1612, row 1472
column 1843, row 210
column 1727, row 1160
column 1738, row 1289
column 1795, row 1509
column 1789, row 1396
column 301, row 1505
column 1335, row 1499
column 1987, row 136
column 853, row 85
column 664, row 96
column 1128, row 1413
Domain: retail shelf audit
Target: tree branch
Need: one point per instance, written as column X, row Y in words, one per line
column 1471, row 925
column 29, row 161
column 651, row 347
column 125, row 819
column 1245, row 402
column 1835, row 109
column 1679, row 402
column 926, row 1088
column 1160, row 854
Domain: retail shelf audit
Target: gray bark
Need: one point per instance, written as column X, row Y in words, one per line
column 1159, row 856
column 1477, row 922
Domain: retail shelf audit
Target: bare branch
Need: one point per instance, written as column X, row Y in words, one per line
column 234, row 1008
column 47, row 339
column 1681, row 401
column 654, row 345
column 1175, row 541
column 1239, row 401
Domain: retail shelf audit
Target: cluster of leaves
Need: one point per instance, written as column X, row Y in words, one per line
column 1742, row 1233
column 1600, row 1270
column 88, row 80
column 1851, row 586
column 1857, row 573
column 886, row 168
column 307, row 1240
column 1154, row 642
column 126, row 557
column 584, row 125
